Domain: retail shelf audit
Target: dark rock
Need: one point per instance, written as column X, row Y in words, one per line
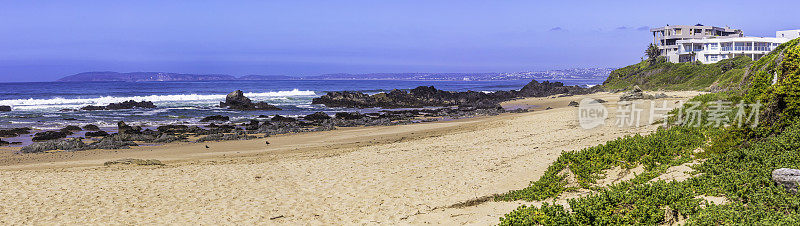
column 237, row 100
column 166, row 138
column 428, row 96
column 221, row 129
column 72, row 128
column 788, row 178
column 215, row 118
column 111, row 142
column 131, row 104
column 349, row 115
column 96, row 134
column 252, row 125
column 70, row 119
column 196, row 130
column 141, row 162
column 2, row 143
column 326, row 127
column 226, row 136
column 14, row 132
column 133, row 137
column 91, row 127
column 317, row 116
column 72, row 144
column 122, row 127
column 5, row 108
column 173, row 128
column 635, row 94
column 49, row 135
column 573, row 103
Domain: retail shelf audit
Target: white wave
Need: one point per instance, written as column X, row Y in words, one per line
column 59, row 102
column 154, row 112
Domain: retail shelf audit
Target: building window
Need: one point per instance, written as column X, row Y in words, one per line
column 727, row 47
column 713, row 46
column 677, row 31
column 713, row 58
column 762, row 46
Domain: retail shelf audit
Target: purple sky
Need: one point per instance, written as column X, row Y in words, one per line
column 45, row 41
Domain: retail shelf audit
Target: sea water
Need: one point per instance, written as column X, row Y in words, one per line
column 53, row 105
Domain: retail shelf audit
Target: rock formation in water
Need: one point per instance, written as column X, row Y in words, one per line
column 237, row 100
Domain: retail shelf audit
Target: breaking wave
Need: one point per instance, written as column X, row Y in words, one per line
column 59, row 102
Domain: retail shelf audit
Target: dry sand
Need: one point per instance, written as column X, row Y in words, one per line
column 406, row 174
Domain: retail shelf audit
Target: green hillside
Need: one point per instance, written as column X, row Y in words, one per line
column 723, row 75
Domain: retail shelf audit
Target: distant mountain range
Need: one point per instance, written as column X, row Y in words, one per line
column 109, row 76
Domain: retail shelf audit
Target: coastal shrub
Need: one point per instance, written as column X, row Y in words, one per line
column 723, row 75
column 663, row 147
column 742, row 175
column 640, row 204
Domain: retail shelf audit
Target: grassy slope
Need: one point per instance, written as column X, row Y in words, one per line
column 722, row 75
column 737, row 166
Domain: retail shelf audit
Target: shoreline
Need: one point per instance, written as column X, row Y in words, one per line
column 382, row 174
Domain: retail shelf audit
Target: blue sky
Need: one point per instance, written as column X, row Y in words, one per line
column 43, row 41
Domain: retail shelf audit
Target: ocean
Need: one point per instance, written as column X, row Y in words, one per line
column 40, row 105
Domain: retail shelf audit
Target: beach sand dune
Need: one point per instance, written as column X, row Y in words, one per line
column 377, row 175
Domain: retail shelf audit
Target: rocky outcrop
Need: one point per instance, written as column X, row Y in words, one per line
column 428, row 96
column 112, row 142
column 349, row 115
column 96, row 134
column 279, row 118
column 72, row 144
column 5, row 108
column 14, row 132
column 72, row 128
column 166, row 138
column 215, row 118
column 317, row 116
column 131, row 104
column 546, row 88
column 635, row 94
column 140, row 162
column 49, row 135
column 237, row 100
column 788, row 178
column 122, row 127
column 91, row 127
column 229, row 136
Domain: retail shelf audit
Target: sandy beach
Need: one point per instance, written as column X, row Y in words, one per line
column 406, row 174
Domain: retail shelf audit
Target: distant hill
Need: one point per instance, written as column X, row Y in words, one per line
column 266, row 77
column 579, row 73
column 108, row 76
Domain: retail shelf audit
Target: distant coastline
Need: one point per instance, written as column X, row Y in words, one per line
column 565, row 74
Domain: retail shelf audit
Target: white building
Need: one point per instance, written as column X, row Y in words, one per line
column 712, row 50
column 666, row 38
column 790, row 34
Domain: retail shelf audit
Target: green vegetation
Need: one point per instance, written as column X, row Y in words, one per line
column 737, row 162
column 652, row 52
column 660, row 74
column 664, row 147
